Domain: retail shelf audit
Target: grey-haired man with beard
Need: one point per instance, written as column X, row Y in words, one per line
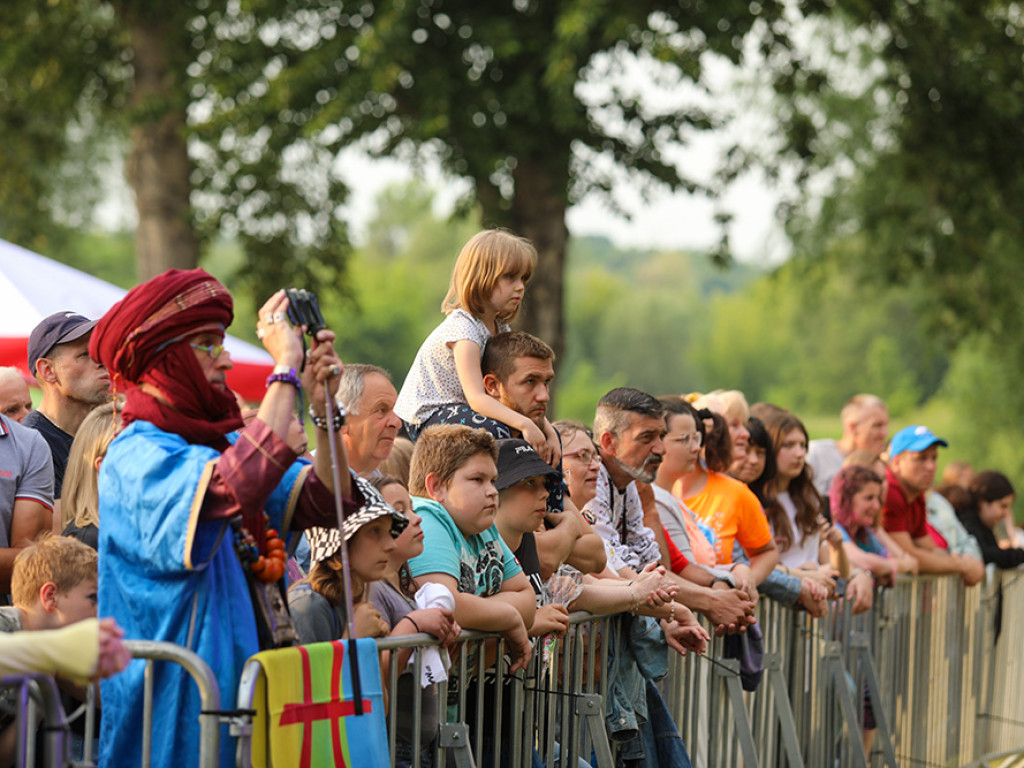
column 628, row 428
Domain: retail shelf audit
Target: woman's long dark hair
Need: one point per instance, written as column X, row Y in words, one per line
column 985, row 486
column 717, row 441
column 801, row 490
column 759, row 437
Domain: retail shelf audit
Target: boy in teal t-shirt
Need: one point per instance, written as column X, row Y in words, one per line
column 453, row 472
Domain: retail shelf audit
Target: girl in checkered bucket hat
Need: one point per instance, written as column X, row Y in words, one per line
column 317, row 603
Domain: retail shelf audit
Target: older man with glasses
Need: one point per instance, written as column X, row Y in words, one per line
column 194, row 505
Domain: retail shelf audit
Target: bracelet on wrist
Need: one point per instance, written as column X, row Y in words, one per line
column 285, row 375
column 412, row 621
column 672, row 611
column 636, row 599
column 320, row 422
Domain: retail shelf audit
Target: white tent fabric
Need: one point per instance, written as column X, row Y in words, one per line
column 33, row 286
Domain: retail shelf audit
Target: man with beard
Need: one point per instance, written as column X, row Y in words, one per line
column 629, row 427
column 518, row 369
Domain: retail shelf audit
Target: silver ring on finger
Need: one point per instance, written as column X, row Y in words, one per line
column 259, row 333
column 279, row 317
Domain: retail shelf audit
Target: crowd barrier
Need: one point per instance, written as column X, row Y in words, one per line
column 940, row 663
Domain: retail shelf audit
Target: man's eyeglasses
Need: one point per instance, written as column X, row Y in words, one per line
column 585, row 456
column 212, row 350
column 696, row 439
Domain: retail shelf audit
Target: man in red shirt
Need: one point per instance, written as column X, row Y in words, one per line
column 913, row 455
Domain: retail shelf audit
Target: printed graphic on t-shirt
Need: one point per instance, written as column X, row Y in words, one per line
column 485, row 577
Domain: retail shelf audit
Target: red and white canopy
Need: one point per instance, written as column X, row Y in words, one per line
column 32, row 287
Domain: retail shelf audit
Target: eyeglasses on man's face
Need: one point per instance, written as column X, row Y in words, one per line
column 212, row 350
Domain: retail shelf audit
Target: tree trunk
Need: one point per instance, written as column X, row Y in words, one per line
column 538, row 212
column 158, row 167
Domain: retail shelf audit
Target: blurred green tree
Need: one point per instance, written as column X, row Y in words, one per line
column 532, row 102
column 81, row 79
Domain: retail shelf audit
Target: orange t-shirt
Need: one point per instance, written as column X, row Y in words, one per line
column 733, row 513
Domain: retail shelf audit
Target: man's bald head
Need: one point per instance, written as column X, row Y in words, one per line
column 15, row 398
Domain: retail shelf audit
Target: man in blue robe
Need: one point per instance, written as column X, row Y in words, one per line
column 188, row 504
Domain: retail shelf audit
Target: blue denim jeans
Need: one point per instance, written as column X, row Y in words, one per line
column 659, row 744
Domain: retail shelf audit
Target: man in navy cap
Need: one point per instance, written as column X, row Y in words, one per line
column 72, row 383
column 913, row 455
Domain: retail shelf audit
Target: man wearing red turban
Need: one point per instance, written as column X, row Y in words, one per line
column 187, row 502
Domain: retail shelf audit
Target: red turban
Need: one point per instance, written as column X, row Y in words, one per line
column 142, row 339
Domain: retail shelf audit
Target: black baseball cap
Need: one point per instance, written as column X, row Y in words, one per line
column 58, row 328
column 517, row 461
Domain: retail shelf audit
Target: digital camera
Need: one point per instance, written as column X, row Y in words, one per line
column 304, row 309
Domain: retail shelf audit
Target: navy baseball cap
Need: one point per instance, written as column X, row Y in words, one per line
column 914, row 438
column 58, row 328
column 517, row 461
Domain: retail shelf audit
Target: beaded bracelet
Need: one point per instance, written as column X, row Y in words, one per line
column 320, row 422
column 671, row 611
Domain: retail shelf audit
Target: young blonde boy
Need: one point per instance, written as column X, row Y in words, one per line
column 452, row 477
column 53, row 585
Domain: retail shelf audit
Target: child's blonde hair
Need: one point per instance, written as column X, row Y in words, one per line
column 442, row 449
column 60, row 560
column 483, row 260
column 80, row 492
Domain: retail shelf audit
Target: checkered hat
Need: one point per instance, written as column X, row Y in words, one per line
column 325, row 542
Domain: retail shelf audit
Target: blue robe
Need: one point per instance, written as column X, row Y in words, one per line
column 166, row 575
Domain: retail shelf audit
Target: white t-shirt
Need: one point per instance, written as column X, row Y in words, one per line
column 826, row 460
column 804, row 549
column 433, row 380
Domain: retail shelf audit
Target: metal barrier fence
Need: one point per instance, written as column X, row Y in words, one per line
column 42, row 691
column 486, row 716
column 941, row 664
column 946, row 678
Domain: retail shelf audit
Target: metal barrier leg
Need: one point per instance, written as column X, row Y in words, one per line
column 591, row 712
column 209, row 694
column 35, row 691
column 731, row 673
column 56, row 739
column 783, row 710
column 454, row 738
column 862, row 656
column 837, row 674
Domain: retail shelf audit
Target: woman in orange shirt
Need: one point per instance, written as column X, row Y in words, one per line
column 725, row 504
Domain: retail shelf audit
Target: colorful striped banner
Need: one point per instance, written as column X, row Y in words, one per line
column 305, row 693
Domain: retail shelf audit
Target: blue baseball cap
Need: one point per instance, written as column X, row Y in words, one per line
column 914, row 438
